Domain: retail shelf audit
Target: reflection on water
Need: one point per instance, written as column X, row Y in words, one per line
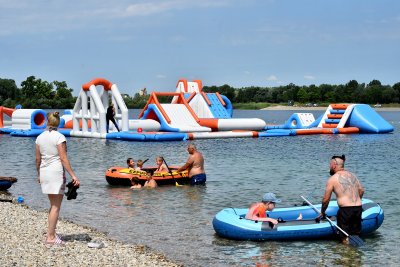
column 178, row 220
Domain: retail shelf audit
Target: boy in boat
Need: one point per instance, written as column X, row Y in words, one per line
column 258, row 211
column 139, row 165
column 150, row 182
column 131, row 163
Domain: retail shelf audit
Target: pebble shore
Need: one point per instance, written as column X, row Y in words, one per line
column 22, row 232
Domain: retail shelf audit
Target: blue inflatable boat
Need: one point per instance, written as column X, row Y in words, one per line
column 231, row 223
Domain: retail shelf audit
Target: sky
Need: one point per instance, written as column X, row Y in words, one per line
column 154, row 43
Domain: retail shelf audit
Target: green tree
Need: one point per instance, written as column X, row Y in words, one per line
column 8, row 90
column 302, row 95
column 137, row 101
column 396, row 88
column 289, row 92
column 373, row 92
column 36, row 88
column 62, row 90
column 350, row 90
column 314, row 93
column 262, row 95
column 389, row 95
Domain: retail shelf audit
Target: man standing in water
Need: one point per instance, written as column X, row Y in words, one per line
column 195, row 166
column 348, row 191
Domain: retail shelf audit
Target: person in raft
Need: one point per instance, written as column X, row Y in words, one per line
column 51, row 163
column 110, row 117
column 161, row 167
column 135, row 183
column 139, row 165
column 150, row 182
column 195, row 166
column 349, row 192
column 258, row 211
column 131, row 164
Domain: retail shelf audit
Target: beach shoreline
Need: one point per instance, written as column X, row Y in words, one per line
column 23, row 231
column 280, row 107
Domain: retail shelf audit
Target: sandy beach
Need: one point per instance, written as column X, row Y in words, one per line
column 278, row 107
column 22, row 232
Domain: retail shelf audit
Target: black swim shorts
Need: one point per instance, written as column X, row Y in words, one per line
column 198, row 179
column 349, row 219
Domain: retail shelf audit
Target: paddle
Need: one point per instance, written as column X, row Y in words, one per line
column 355, row 241
column 169, row 170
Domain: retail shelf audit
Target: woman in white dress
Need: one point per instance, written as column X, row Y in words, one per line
column 51, row 161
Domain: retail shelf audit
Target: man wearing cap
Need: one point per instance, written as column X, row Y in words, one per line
column 258, row 211
column 348, row 191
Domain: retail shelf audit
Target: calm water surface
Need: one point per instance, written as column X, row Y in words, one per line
column 177, row 221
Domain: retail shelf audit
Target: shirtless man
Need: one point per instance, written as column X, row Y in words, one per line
column 195, row 166
column 348, row 191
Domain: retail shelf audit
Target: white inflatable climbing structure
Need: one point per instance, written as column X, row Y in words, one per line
column 89, row 113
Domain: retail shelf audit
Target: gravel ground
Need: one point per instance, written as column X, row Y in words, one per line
column 22, row 234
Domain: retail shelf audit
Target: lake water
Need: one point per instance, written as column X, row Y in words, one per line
column 177, row 221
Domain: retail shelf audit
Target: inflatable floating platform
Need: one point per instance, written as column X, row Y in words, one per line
column 231, row 223
column 192, row 114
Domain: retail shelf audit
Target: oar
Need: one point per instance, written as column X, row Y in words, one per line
column 169, row 170
column 355, row 241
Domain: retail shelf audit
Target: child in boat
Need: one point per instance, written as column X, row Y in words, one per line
column 131, row 163
column 258, row 211
column 150, row 182
column 161, row 167
column 139, row 165
column 135, row 183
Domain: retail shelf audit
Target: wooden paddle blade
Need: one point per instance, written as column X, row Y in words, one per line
column 355, row 241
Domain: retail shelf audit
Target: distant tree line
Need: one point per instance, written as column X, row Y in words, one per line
column 351, row 92
column 36, row 93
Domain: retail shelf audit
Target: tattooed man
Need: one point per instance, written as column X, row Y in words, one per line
column 348, row 191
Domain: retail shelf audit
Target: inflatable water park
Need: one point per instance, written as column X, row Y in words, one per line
column 230, row 223
column 192, row 114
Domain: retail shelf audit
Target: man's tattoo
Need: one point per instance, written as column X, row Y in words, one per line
column 349, row 183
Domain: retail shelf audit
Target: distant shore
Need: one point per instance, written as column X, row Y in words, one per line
column 22, row 232
column 280, row 107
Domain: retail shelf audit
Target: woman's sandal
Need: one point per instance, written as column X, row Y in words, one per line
column 57, row 242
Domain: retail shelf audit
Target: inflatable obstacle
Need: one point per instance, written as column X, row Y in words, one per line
column 192, row 114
